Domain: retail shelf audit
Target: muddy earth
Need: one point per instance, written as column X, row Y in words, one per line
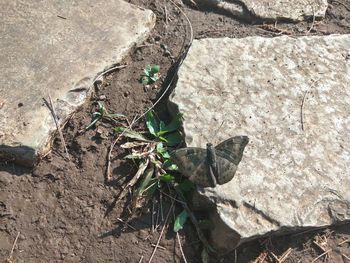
column 63, row 210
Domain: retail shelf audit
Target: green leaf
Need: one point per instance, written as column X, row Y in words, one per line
column 152, row 188
column 161, row 126
column 175, row 124
column 154, row 78
column 147, row 72
column 154, row 69
column 96, row 114
column 162, row 151
column 152, row 123
column 172, row 139
column 146, row 182
column 169, row 165
column 167, row 177
column 180, row 221
column 92, row 123
column 166, row 155
column 113, row 115
column 131, row 134
column 101, row 107
column 160, row 148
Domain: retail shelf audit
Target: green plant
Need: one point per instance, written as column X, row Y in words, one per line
column 150, row 74
column 102, row 114
column 150, row 152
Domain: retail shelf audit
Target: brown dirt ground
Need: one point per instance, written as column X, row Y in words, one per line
column 60, row 207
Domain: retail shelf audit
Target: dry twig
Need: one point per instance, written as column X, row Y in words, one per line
column 261, row 258
column 324, row 253
column 301, row 111
column 154, row 245
column 275, row 30
column 161, row 232
column 283, row 257
column 127, row 224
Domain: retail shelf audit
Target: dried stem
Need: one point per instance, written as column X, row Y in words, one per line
column 161, row 232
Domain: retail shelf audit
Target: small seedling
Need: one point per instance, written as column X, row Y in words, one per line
column 102, row 114
column 150, row 74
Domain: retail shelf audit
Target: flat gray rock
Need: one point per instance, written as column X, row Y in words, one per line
column 291, row 97
column 57, row 48
column 295, row 10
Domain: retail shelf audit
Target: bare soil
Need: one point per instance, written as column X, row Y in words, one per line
column 64, row 211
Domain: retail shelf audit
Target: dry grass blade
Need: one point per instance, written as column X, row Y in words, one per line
column 129, row 145
column 324, row 253
column 57, row 123
column 344, row 241
column 10, row 257
column 144, row 186
column 107, row 71
column 180, row 245
column 134, row 180
column 313, row 20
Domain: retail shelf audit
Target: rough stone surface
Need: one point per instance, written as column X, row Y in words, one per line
column 295, row 171
column 296, row 10
column 57, row 47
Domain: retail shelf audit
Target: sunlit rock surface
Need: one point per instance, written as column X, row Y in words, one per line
column 56, row 48
column 291, row 97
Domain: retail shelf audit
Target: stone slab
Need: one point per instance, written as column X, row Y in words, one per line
column 294, row 174
column 57, row 47
column 295, row 10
